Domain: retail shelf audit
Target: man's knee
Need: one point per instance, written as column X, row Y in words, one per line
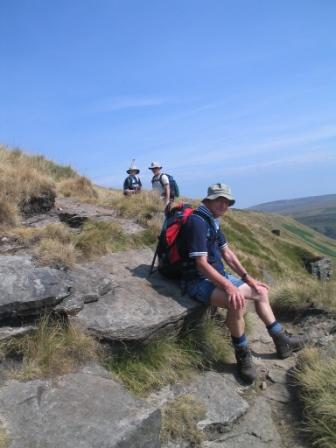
column 264, row 294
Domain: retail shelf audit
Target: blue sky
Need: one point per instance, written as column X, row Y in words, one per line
column 241, row 92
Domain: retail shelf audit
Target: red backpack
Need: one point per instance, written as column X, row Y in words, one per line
column 169, row 247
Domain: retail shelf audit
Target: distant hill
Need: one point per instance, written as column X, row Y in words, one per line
column 317, row 212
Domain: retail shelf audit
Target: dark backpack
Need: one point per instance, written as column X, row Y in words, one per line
column 169, row 249
column 174, row 189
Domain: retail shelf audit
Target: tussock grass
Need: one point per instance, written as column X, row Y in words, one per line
column 56, row 253
column 78, row 187
column 159, row 363
column 8, row 214
column 54, row 349
column 316, row 377
column 15, row 156
column 291, row 297
column 167, row 361
column 100, row 237
column 24, row 177
column 59, row 246
column 19, row 184
column 53, row 244
column 141, row 207
column 179, row 421
column 210, row 340
column 31, row 235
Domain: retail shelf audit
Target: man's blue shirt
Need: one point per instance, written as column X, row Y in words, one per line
column 203, row 236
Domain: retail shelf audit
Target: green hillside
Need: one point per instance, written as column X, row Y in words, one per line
column 317, row 212
column 250, row 234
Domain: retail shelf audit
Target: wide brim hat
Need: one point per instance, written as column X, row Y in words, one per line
column 133, row 168
column 154, row 165
column 220, row 191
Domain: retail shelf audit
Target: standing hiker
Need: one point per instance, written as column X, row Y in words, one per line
column 164, row 184
column 132, row 183
column 207, row 281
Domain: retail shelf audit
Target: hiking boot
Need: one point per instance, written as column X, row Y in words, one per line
column 286, row 343
column 245, row 366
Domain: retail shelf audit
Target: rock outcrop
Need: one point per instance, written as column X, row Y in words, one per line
column 29, row 290
column 113, row 298
column 138, row 307
column 86, row 409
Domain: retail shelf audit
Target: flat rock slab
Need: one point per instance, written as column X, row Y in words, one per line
column 10, row 332
column 222, row 402
column 27, row 289
column 75, row 213
column 82, row 410
column 255, row 429
column 138, row 307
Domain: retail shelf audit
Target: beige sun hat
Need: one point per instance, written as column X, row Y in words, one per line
column 220, row 191
column 133, row 168
column 154, row 165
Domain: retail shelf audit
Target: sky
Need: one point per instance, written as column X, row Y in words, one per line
column 241, row 92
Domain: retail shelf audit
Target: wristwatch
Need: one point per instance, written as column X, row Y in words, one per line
column 243, row 277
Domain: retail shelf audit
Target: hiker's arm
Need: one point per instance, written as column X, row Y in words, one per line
column 232, row 260
column 235, row 297
column 167, row 193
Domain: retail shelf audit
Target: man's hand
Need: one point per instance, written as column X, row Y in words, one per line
column 256, row 285
column 236, row 300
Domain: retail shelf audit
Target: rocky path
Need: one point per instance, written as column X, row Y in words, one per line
column 276, row 385
column 264, row 414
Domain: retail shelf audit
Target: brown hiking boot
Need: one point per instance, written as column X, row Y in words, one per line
column 245, row 366
column 286, row 344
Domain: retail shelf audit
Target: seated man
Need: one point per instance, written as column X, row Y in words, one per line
column 132, row 183
column 207, row 281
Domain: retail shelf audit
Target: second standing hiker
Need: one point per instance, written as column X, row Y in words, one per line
column 160, row 183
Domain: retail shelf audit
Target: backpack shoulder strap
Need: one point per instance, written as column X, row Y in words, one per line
column 207, row 219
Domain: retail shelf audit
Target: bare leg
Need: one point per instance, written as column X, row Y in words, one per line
column 235, row 322
column 235, row 318
column 261, row 303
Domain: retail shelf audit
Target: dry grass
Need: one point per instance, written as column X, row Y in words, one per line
column 316, row 377
column 52, row 350
column 53, row 244
column 79, row 187
column 58, row 245
column 20, row 180
column 56, row 254
column 8, row 214
column 290, row 297
column 143, row 207
column 179, row 421
column 23, row 178
column 99, row 238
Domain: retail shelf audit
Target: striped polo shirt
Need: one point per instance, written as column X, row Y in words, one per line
column 202, row 239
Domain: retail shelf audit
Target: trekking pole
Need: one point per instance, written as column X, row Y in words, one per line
column 153, row 261
column 157, row 248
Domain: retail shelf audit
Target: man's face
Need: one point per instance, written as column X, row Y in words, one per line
column 219, row 206
column 155, row 171
column 132, row 172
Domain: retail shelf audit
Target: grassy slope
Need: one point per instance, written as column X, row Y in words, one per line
column 318, row 212
column 250, row 234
